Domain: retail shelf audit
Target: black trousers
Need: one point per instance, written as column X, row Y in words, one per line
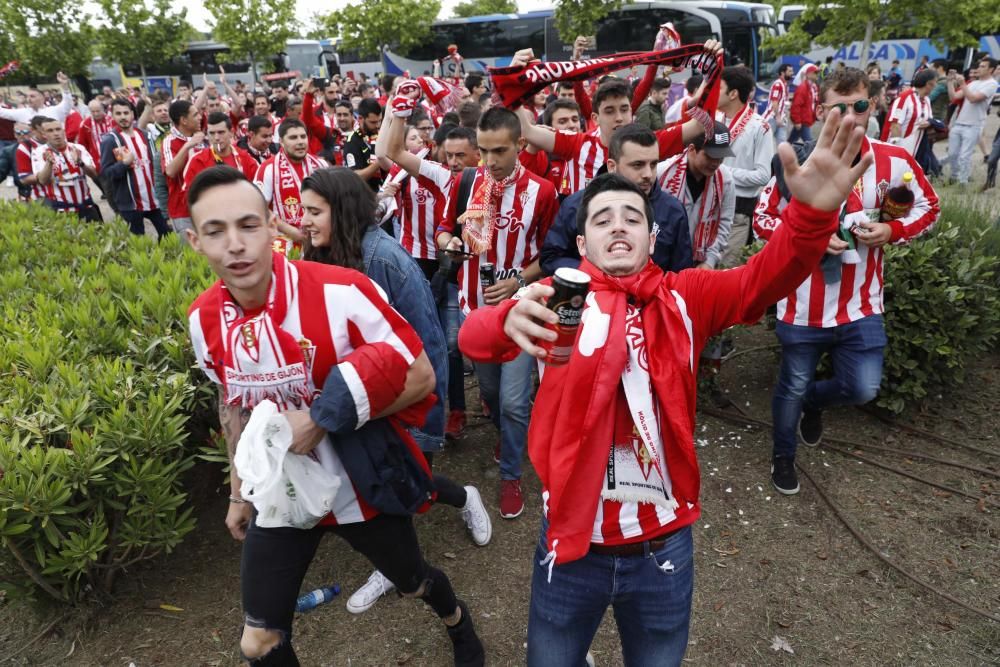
column 275, row 561
column 135, row 221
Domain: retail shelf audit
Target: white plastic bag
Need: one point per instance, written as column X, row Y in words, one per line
column 286, row 488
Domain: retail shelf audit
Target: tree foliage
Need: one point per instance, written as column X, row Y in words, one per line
column 369, row 26
column 49, row 35
column 954, row 24
column 580, row 17
column 483, row 8
column 140, row 34
column 253, row 28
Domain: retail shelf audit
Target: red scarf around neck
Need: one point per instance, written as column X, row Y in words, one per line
column 570, row 435
column 706, row 229
column 479, row 219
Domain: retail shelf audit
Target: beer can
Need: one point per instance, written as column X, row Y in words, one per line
column 487, row 275
column 571, row 287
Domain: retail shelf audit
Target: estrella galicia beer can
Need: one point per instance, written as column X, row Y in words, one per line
column 571, row 287
column 487, row 275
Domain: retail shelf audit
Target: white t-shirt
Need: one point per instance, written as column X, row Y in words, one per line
column 974, row 113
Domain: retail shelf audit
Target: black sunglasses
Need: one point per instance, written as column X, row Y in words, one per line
column 860, row 106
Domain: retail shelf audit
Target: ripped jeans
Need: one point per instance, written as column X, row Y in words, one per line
column 649, row 593
column 275, row 561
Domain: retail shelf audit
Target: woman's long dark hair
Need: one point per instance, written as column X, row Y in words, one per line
column 352, row 211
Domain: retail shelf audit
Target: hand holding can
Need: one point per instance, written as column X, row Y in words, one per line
column 571, row 287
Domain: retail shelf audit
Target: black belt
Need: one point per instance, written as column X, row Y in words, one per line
column 746, row 205
column 633, row 548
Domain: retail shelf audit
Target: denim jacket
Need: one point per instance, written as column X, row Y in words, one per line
column 407, row 290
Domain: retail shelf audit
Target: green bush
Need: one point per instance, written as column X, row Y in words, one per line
column 95, row 394
column 942, row 303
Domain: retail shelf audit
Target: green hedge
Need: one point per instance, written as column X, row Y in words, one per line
column 942, row 302
column 95, row 394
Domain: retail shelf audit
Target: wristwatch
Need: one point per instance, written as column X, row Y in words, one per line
column 520, row 280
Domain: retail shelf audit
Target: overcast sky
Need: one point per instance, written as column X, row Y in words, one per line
column 199, row 16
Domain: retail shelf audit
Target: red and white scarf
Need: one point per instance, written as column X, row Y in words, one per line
column 262, row 360
column 740, row 122
column 570, row 436
column 674, row 181
column 513, row 86
column 287, row 186
column 479, row 219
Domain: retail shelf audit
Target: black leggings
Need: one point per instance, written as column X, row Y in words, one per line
column 449, row 493
column 275, row 561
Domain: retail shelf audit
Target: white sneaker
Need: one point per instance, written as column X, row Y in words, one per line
column 476, row 518
column 366, row 596
column 590, row 660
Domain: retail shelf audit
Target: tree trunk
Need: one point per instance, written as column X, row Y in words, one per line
column 145, row 81
column 867, row 44
column 253, row 68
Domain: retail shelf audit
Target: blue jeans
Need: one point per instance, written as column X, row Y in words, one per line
column 803, row 134
column 451, row 317
column 857, row 350
column 780, row 131
column 650, row 595
column 506, row 388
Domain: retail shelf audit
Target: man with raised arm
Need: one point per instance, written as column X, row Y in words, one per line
column 612, row 430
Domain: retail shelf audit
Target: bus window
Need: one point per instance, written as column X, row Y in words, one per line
column 632, row 29
column 737, row 36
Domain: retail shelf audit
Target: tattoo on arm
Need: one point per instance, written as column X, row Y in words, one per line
column 233, row 420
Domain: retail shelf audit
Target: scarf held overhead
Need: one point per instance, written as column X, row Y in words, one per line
column 514, row 85
column 570, row 436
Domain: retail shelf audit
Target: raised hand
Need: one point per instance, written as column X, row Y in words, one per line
column 826, row 178
column 62, row 79
column 522, row 58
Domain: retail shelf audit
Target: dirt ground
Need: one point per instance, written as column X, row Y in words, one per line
column 767, row 566
column 771, row 571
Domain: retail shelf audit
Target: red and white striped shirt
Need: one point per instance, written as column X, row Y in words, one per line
column 68, row 184
column 286, row 205
column 141, row 176
column 22, row 158
column 584, row 154
column 619, row 522
column 777, row 101
column 332, row 312
column 858, row 293
column 422, row 204
column 526, row 212
column 908, row 110
column 172, row 145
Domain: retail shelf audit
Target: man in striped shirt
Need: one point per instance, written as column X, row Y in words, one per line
column 61, row 168
column 127, row 167
column 586, row 153
column 777, row 103
column 518, row 208
column 838, row 308
column 612, row 429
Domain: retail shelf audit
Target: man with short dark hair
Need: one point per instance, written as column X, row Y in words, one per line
column 259, row 139
column 612, row 430
column 777, row 103
column 586, row 153
column 752, row 147
column 650, row 112
column 508, row 212
column 280, row 179
column 61, row 168
column 359, row 147
column 220, row 151
column 838, row 307
column 29, row 188
column 967, row 123
column 911, row 113
column 633, row 154
column 341, row 366
column 185, row 138
column 127, row 167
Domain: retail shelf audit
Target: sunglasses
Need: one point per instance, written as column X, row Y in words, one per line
column 860, row 106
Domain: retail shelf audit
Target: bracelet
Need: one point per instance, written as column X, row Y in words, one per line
column 238, row 501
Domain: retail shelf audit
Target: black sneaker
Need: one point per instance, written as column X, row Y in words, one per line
column 468, row 649
column 783, row 476
column 811, row 428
